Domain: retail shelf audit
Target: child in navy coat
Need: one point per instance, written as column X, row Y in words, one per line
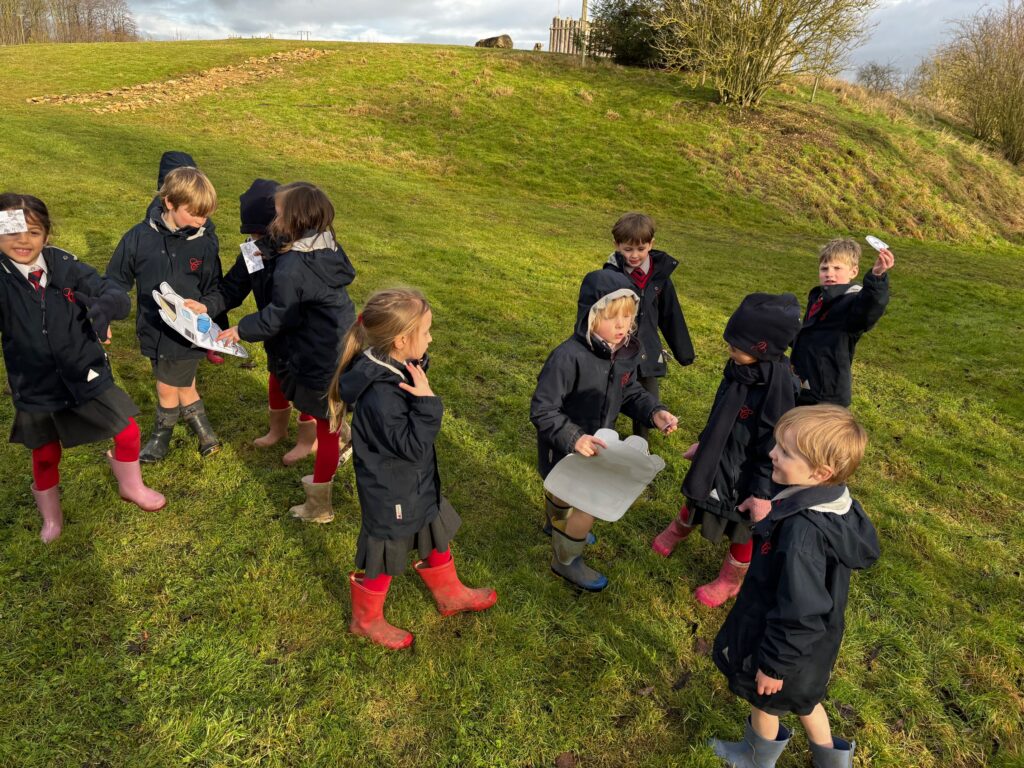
column 308, row 315
column 584, row 384
column 659, row 309
column 780, row 641
column 396, row 418
column 731, row 472
column 839, row 312
column 55, row 315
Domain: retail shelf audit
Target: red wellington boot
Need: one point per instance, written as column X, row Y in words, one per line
column 450, row 594
column 368, row 617
column 666, row 541
column 213, row 357
column 728, row 583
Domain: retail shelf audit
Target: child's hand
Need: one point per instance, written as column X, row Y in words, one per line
column 109, row 337
column 195, row 306
column 588, row 445
column 766, row 686
column 420, row 386
column 666, row 422
column 758, row 508
column 883, row 263
column 691, row 452
column 230, row 335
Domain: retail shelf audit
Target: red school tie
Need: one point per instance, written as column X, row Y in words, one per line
column 639, row 277
column 35, row 277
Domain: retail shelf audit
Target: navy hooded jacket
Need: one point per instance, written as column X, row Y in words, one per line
column 836, row 317
column 309, row 310
column 584, row 384
column 53, row 357
column 393, row 434
column 789, row 617
column 659, row 309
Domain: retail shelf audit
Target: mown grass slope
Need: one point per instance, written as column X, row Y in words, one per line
column 213, row 633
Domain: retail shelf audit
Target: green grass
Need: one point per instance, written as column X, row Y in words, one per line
column 214, row 633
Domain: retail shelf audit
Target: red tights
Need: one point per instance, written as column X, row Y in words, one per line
column 276, row 399
column 742, row 553
column 46, row 459
column 328, row 452
column 383, row 582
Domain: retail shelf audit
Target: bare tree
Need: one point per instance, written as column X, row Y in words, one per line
column 878, row 77
column 65, row 21
column 748, row 46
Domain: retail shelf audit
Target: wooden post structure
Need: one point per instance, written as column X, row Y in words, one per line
column 583, row 33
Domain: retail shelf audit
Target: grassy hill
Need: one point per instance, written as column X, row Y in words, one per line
column 213, row 632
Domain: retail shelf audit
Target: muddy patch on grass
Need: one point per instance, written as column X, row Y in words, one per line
column 187, row 87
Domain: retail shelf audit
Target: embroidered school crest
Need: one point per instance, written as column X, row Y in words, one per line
column 69, row 295
column 745, row 413
column 194, row 264
column 625, row 379
column 761, row 346
column 766, row 547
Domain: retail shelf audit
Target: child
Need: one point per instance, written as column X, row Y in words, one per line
column 838, row 314
column 651, row 273
column 256, row 206
column 584, row 384
column 171, row 245
column 168, row 162
column 731, row 471
column 54, row 313
column 780, row 641
column 396, row 419
column 307, row 317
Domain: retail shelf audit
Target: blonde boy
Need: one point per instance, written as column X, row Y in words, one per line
column 587, row 380
column 780, row 641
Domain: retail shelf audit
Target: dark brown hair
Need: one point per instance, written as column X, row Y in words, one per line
column 633, row 229
column 304, row 208
column 35, row 209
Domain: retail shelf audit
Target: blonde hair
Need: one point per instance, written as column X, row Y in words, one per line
column 303, row 207
column 841, row 249
column 827, row 436
column 615, row 308
column 189, row 187
column 386, row 315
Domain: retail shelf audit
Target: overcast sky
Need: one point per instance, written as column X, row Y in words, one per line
column 906, row 29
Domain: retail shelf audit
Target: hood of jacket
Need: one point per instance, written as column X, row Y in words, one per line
column 368, row 368
column 598, row 289
column 170, row 161
column 333, row 268
column 832, row 511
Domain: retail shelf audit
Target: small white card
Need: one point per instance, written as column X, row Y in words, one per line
column 12, row 222
column 875, row 243
column 253, row 257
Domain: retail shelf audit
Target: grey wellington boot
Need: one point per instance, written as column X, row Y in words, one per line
column 559, row 514
column 840, row 756
column 753, row 751
column 159, row 441
column 195, row 416
column 567, row 562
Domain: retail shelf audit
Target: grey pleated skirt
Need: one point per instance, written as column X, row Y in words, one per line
column 391, row 556
column 716, row 524
column 98, row 419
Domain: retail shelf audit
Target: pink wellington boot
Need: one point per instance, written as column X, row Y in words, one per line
column 48, row 504
column 450, row 594
column 730, row 578
column 305, row 443
column 677, row 530
column 131, row 487
column 368, row 617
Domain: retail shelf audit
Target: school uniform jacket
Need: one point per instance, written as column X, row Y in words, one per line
column 393, row 434
column 54, row 359
column 309, row 309
column 150, row 253
column 659, row 309
column 789, row 617
column 745, row 468
column 584, row 384
column 238, row 283
column 836, row 317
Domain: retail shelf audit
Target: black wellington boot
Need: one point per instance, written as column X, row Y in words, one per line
column 159, row 442
column 195, row 417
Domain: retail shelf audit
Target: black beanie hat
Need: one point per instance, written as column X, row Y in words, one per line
column 764, row 325
column 256, row 206
column 171, row 160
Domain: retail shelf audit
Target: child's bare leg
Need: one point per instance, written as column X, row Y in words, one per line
column 187, row 395
column 766, row 726
column 579, row 524
column 167, row 395
column 817, row 727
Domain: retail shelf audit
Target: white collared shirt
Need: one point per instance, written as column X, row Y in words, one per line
column 39, row 263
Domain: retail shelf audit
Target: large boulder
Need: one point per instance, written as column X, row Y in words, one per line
column 501, row 41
